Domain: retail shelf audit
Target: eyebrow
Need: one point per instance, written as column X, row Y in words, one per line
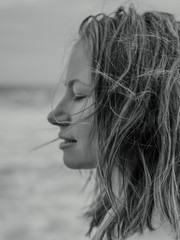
column 71, row 82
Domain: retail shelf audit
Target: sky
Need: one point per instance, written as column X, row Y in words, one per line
column 36, row 35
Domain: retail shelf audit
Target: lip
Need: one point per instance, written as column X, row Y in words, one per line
column 64, row 145
column 68, row 141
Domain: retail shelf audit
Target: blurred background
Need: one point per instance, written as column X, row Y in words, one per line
column 39, row 197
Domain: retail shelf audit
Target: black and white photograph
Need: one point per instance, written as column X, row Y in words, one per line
column 89, row 120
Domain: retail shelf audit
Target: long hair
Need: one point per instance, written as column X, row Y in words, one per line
column 136, row 76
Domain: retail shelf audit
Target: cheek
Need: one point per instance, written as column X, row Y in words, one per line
column 86, row 148
column 83, row 135
column 88, row 142
column 81, row 110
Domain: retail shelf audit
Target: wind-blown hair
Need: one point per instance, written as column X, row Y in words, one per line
column 136, row 74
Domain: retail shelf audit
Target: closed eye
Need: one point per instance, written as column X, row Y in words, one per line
column 79, row 98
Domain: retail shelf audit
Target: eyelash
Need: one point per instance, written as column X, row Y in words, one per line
column 79, row 98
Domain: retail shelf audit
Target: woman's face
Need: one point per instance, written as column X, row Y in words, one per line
column 73, row 113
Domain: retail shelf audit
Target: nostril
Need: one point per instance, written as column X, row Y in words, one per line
column 64, row 123
column 52, row 118
column 62, row 120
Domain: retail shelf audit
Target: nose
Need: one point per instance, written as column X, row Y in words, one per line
column 59, row 117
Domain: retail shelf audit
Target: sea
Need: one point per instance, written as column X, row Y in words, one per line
column 40, row 198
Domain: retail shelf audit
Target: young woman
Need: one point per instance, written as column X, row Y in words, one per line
column 121, row 115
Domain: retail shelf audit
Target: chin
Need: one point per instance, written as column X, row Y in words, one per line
column 76, row 164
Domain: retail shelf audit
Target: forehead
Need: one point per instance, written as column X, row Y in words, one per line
column 79, row 65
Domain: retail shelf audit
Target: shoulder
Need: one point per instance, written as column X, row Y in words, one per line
column 162, row 230
column 160, row 233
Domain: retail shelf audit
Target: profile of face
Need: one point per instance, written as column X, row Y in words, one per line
column 73, row 114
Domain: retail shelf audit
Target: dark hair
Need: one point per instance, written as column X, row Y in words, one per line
column 136, row 73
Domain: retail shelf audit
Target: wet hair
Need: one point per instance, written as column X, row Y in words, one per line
column 136, row 75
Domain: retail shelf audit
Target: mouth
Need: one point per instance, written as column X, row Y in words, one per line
column 67, row 143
